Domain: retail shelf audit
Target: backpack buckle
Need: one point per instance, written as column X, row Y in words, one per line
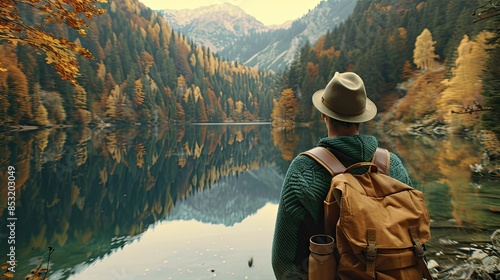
column 417, row 245
column 419, row 249
column 371, row 251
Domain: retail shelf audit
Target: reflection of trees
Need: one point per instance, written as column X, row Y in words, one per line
column 419, row 155
column 441, row 169
column 287, row 141
column 21, row 164
column 89, row 187
column 89, row 192
column 454, row 165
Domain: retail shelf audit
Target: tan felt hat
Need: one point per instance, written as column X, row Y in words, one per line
column 344, row 99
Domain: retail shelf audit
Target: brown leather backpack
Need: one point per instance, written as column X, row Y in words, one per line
column 380, row 224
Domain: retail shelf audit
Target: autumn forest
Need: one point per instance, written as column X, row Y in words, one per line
column 142, row 72
column 125, row 94
column 422, row 61
column 419, row 59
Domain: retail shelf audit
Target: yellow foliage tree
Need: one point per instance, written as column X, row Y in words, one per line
column 81, row 115
column 147, row 61
column 139, row 94
column 101, row 71
column 7, row 54
column 179, row 112
column 53, row 102
column 16, row 29
column 423, row 54
column 465, row 86
column 230, row 105
column 113, row 103
column 238, row 107
column 41, row 115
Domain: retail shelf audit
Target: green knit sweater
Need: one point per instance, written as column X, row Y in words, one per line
column 300, row 212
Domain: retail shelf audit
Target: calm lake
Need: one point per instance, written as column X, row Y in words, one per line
column 198, row 202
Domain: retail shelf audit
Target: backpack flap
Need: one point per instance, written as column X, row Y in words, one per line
column 384, row 214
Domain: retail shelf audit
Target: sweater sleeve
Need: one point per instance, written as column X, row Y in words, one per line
column 290, row 215
column 300, row 214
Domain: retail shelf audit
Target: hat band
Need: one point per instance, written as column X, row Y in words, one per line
column 346, row 112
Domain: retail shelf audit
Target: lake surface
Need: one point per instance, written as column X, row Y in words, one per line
column 198, row 202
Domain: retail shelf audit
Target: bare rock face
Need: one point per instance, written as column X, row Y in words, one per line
column 215, row 26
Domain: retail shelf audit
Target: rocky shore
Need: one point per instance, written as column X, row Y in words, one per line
column 479, row 262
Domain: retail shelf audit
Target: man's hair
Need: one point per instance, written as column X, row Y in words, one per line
column 336, row 123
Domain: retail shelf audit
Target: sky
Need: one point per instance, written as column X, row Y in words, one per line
column 268, row 12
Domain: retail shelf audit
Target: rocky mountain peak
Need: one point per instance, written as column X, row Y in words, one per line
column 235, row 35
column 213, row 26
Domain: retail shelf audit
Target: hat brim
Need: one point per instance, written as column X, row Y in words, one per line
column 368, row 114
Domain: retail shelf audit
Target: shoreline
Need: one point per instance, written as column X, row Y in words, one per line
column 233, row 123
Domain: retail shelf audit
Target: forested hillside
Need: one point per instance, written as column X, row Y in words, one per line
column 419, row 59
column 143, row 72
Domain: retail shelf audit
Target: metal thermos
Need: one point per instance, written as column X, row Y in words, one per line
column 321, row 259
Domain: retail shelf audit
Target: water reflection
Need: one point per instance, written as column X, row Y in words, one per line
column 194, row 250
column 441, row 169
column 104, row 188
column 196, row 202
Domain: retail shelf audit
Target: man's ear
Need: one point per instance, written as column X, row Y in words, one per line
column 325, row 117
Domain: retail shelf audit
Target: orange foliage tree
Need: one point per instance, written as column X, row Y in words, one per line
column 422, row 97
column 15, row 97
column 15, row 28
column 285, row 109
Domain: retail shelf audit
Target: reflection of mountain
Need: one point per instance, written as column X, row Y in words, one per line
column 89, row 192
column 232, row 199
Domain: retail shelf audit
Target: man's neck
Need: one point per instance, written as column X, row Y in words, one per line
column 351, row 131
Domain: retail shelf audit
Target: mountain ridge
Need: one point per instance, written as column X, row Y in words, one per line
column 249, row 41
column 213, row 25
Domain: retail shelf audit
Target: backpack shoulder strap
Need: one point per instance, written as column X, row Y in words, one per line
column 326, row 159
column 382, row 159
column 334, row 166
